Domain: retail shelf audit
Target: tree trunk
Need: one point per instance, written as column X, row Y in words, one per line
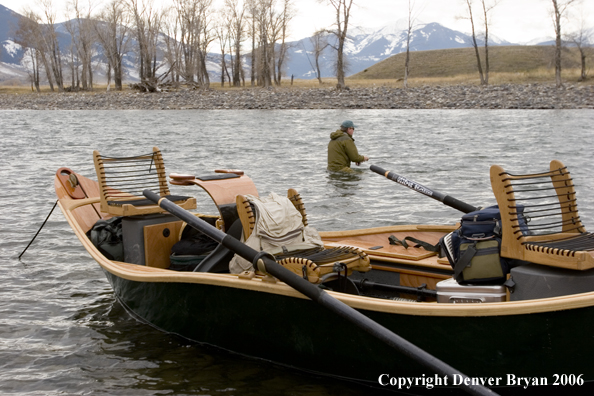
column 557, row 19
column 474, row 43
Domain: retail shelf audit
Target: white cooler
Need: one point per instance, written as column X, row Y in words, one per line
column 449, row 291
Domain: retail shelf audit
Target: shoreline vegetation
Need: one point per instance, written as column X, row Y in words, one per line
column 520, row 78
column 461, row 92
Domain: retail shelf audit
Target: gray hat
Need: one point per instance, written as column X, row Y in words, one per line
column 348, row 124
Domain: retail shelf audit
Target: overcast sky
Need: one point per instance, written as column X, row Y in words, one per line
column 517, row 21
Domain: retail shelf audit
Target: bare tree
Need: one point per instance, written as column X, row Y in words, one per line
column 287, row 13
column 83, row 38
column 409, row 29
column 474, row 42
column 343, row 12
column 146, row 21
column 319, row 43
column 28, row 35
column 172, row 55
column 222, row 33
column 264, row 34
column 196, row 34
column 40, row 33
column 488, row 6
column 583, row 39
column 236, row 24
column 559, row 11
column 111, row 27
column 253, row 11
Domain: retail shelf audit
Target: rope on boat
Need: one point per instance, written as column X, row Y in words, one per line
column 38, row 231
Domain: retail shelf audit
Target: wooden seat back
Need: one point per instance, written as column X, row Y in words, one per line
column 123, row 179
column 540, row 222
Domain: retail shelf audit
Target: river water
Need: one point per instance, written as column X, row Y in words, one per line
column 61, row 329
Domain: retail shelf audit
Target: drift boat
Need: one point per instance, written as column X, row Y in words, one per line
column 539, row 334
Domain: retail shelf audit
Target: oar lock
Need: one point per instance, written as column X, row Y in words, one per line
column 258, row 263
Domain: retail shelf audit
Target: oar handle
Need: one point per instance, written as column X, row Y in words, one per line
column 265, row 263
column 445, row 199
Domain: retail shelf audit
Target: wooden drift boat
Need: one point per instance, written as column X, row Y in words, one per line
column 508, row 342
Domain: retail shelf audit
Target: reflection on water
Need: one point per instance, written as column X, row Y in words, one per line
column 62, row 331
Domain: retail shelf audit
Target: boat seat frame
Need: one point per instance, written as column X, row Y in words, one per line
column 123, row 179
column 555, row 235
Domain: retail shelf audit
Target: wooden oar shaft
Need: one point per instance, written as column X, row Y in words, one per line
column 445, row 199
column 318, row 295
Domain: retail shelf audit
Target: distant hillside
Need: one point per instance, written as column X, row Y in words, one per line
column 366, row 47
column 460, row 61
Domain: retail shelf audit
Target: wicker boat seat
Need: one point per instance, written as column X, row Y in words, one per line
column 122, row 181
column 540, row 219
column 314, row 264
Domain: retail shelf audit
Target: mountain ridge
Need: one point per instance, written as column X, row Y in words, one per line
column 364, row 48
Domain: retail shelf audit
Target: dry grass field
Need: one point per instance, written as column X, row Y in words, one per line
column 508, row 65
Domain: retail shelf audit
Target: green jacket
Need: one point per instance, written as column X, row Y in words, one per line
column 342, row 151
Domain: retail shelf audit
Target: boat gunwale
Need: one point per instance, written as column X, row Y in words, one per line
column 138, row 273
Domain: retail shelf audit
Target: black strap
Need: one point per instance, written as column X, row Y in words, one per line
column 464, row 260
column 425, row 245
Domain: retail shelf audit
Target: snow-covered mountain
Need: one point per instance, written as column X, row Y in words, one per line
column 366, row 47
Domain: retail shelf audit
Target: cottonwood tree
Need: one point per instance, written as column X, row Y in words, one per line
column 111, row 28
column 286, row 14
column 412, row 17
column 146, row 26
column 235, row 16
column 470, row 17
column 39, row 33
column 28, row 35
column 319, row 42
column 583, row 39
column 252, row 10
column 559, row 11
column 343, row 13
column 80, row 27
column 268, row 24
column 196, row 34
column 487, row 6
column 222, row 37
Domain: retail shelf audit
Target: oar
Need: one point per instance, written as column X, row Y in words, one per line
column 446, row 199
column 265, row 263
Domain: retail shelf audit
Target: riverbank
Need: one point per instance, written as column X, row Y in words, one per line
column 503, row 96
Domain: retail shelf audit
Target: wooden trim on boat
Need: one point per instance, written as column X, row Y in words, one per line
column 381, row 230
column 141, row 273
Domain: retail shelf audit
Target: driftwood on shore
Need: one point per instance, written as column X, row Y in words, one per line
column 506, row 96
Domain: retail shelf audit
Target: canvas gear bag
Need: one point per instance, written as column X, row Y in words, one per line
column 279, row 229
column 473, row 249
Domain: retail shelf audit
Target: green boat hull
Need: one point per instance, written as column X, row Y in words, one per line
column 540, row 347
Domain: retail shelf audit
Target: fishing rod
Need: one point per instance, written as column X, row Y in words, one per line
column 441, row 197
column 265, row 262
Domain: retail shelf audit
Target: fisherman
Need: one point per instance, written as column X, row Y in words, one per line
column 342, row 150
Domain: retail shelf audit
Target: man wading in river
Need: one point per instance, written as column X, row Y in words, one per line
column 342, row 150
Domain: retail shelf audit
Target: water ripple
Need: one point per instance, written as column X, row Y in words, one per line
column 63, row 332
